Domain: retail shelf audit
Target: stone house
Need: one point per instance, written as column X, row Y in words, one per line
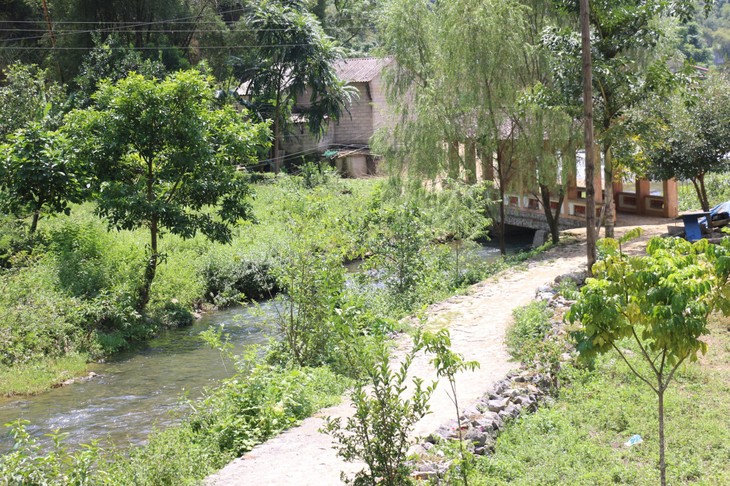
column 346, row 141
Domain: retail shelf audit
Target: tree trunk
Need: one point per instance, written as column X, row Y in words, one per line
column 151, row 268
column 609, row 212
column 34, row 221
column 454, row 160
column 553, row 219
column 662, row 462
column 704, row 200
column 588, row 133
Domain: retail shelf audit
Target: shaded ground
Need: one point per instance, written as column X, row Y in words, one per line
column 477, row 322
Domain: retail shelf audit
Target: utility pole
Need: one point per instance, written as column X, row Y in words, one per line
column 585, row 28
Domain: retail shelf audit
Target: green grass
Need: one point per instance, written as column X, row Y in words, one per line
column 38, row 376
column 579, row 439
column 228, row 421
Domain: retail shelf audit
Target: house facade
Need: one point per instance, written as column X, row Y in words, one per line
column 346, row 140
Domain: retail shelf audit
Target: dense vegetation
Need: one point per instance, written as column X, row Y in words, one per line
column 331, row 338
column 128, row 201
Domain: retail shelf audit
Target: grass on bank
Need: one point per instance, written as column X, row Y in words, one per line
column 579, row 439
column 71, row 288
column 38, row 376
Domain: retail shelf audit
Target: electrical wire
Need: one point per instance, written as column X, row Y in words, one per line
column 145, row 48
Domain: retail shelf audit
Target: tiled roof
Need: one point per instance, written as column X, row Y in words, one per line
column 361, row 69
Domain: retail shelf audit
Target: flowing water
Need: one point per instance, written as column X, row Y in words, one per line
column 142, row 389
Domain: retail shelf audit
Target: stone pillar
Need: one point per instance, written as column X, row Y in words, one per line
column 671, row 199
column 643, row 189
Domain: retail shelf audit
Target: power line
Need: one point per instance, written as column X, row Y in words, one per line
column 171, row 29
column 131, row 22
column 146, row 48
column 120, row 30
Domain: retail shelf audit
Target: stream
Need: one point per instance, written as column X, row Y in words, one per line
column 142, row 389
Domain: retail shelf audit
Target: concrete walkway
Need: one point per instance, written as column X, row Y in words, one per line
column 477, row 322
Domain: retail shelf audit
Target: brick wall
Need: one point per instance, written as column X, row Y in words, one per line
column 382, row 115
column 357, row 126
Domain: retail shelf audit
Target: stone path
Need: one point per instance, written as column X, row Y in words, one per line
column 477, row 322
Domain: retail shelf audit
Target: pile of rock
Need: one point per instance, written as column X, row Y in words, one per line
column 520, row 391
column 481, row 422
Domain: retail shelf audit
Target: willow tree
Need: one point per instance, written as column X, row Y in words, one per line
column 165, row 159
column 546, row 148
column 453, row 82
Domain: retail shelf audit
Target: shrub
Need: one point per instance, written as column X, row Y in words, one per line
column 378, row 432
column 28, row 463
column 525, row 335
column 231, row 277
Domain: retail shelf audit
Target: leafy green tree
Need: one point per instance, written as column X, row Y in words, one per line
column 630, row 53
column 689, row 137
column 28, row 95
column 289, row 55
column 454, row 81
column 36, row 174
column 660, row 302
column 165, row 159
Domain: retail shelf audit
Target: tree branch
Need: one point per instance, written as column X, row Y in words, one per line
column 671, row 373
column 634, row 370
column 643, row 351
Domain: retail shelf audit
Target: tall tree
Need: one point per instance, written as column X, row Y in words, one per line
column 165, row 159
column 630, row 52
column 587, row 78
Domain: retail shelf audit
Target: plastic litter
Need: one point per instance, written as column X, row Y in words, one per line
column 635, row 439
